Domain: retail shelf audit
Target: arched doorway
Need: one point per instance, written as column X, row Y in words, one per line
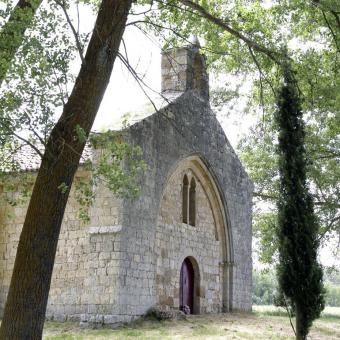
column 187, row 286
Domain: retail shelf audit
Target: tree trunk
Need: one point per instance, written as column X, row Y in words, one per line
column 27, row 298
column 12, row 33
column 299, row 329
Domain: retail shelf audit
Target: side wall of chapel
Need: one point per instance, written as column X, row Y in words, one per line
column 86, row 277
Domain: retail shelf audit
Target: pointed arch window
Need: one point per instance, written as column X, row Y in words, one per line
column 189, row 201
column 192, row 202
column 185, row 202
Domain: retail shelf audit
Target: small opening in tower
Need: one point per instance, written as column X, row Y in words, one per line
column 199, row 81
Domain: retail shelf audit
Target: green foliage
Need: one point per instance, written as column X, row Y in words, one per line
column 264, row 287
column 258, row 154
column 85, row 195
column 11, row 32
column 332, row 276
column 36, row 85
column 16, row 187
column 264, row 225
column 35, row 90
column 63, row 188
column 270, row 25
column 119, row 163
column 299, row 273
column 332, row 296
column 80, row 133
column 118, row 166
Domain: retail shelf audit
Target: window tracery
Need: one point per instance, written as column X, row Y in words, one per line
column 185, row 202
column 189, row 201
column 192, row 202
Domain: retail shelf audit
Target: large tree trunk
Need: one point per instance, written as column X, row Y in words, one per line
column 27, row 298
column 12, row 33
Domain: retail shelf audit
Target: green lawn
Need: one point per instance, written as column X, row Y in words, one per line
column 265, row 322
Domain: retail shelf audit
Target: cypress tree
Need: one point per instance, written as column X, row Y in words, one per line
column 299, row 273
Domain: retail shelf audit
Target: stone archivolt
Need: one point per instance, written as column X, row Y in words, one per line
column 186, row 240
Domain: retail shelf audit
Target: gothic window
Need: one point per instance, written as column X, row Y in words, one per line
column 185, row 192
column 189, row 201
column 192, row 202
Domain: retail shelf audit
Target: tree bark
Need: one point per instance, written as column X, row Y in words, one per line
column 12, row 33
column 27, row 298
column 299, row 329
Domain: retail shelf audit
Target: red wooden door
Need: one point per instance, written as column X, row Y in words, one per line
column 187, row 287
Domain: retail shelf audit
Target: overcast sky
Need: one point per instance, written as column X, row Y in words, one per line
column 123, row 93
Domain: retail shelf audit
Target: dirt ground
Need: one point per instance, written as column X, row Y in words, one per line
column 264, row 323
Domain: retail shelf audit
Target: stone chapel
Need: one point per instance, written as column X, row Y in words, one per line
column 183, row 244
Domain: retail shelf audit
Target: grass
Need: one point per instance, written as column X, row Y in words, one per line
column 264, row 323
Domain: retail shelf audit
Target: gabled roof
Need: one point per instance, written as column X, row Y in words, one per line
column 27, row 159
column 149, row 109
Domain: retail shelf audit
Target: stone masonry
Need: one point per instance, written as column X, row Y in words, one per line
column 128, row 258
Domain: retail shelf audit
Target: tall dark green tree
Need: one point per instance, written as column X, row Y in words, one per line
column 299, row 273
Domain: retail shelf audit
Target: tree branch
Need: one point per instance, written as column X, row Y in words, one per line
column 75, row 33
column 326, row 8
column 329, row 227
column 28, row 143
column 264, row 196
column 331, row 30
column 273, row 55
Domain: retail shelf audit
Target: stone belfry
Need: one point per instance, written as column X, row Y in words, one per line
column 184, row 69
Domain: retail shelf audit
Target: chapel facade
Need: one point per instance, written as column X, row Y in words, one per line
column 183, row 244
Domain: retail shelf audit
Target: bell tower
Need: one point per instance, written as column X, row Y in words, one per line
column 184, row 69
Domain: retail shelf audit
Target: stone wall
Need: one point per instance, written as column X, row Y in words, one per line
column 86, row 270
column 11, row 220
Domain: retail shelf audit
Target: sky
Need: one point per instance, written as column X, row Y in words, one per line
column 123, row 93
